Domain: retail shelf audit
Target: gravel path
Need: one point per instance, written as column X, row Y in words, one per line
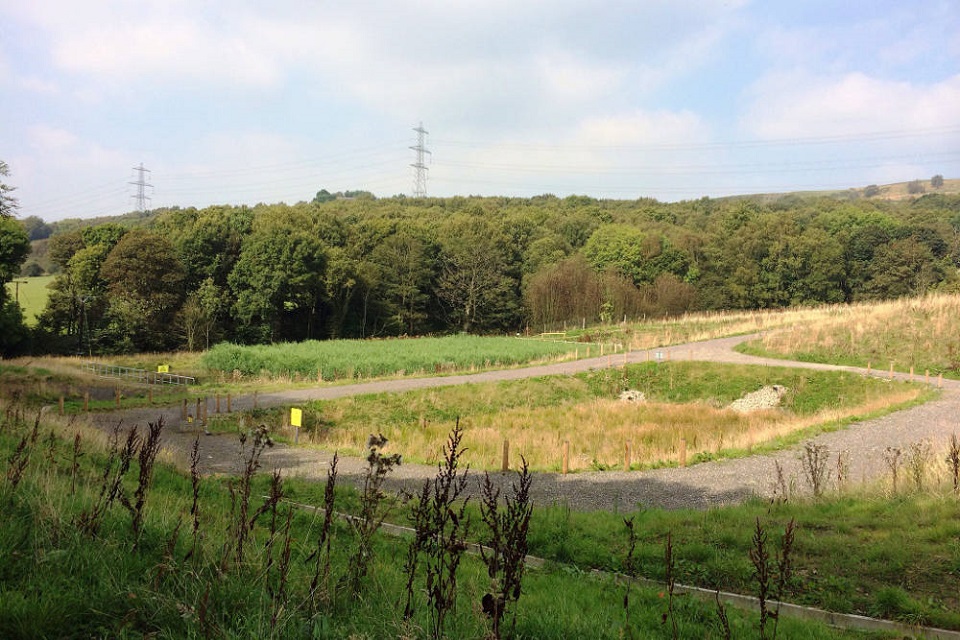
column 698, row 486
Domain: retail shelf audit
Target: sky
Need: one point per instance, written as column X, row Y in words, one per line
column 245, row 101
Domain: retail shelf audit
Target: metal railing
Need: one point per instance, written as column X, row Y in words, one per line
column 137, row 375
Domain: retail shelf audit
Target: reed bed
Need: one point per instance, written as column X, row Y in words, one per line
column 338, row 359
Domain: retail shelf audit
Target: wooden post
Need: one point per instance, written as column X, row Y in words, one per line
column 505, row 464
column 926, row 376
column 86, row 401
column 150, row 395
column 196, row 413
column 319, row 376
column 116, row 395
column 204, row 411
column 218, row 402
column 668, row 355
column 911, row 373
column 891, row 370
column 683, row 452
column 588, row 351
column 939, row 381
column 255, row 400
column 624, row 358
column 601, row 349
column 229, row 408
column 566, row 457
column 183, row 411
column 868, row 368
column 626, row 456
column 61, row 405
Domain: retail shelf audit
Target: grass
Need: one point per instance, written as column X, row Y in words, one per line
column 537, row 416
column 33, row 294
column 923, row 333
column 336, row 359
column 60, row 581
column 855, row 553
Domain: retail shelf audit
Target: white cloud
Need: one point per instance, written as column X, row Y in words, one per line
column 38, row 85
column 644, row 128
column 570, row 77
column 49, row 139
column 797, row 105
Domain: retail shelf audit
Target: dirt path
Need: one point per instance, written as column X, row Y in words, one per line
column 697, row 486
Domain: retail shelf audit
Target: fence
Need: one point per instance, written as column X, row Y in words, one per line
column 137, row 375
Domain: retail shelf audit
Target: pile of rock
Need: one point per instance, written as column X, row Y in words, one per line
column 632, row 395
column 768, row 397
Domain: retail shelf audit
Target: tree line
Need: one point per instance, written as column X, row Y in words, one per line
column 367, row 267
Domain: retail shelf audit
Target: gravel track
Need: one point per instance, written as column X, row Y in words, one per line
column 698, row 486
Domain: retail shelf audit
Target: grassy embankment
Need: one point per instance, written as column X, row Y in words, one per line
column 74, row 564
column 922, row 333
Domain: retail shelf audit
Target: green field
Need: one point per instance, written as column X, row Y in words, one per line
column 32, row 295
column 338, row 359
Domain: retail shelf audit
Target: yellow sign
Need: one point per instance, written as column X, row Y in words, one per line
column 163, row 368
column 296, row 417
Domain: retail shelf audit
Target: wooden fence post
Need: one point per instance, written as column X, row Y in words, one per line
column 218, row 402
column 505, row 464
column 626, row 456
column 939, row 381
column 868, row 368
column 86, row 401
column 683, row 452
column 255, row 404
column 61, row 405
column 229, row 408
column 911, row 373
column 926, row 376
column 196, row 413
column 204, row 411
column 150, row 395
column 116, row 394
column 566, row 457
column 891, row 370
column 183, row 411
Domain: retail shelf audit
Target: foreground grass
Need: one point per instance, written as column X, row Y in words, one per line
column 58, row 580
column 923, row 333
column 685, row 401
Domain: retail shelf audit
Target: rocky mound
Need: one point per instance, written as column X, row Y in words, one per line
column 764, row 398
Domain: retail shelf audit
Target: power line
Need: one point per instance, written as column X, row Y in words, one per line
column 141, row 184
column 420, row 169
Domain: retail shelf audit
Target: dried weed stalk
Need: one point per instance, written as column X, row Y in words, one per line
column 892, row 457
column 320, row 585
column 373, row 509
column 505, row 551
column 814, row 460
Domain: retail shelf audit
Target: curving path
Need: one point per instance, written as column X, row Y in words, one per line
column 698, row 486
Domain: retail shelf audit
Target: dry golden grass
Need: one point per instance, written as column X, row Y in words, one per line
column 923, row 333
column 599, row 431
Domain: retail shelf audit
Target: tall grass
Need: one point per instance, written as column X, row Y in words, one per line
column 685, row 403
column 58, row 581
column 336, row 359
column 923, row 333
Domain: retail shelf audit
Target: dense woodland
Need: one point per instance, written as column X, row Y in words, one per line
column 365, row 267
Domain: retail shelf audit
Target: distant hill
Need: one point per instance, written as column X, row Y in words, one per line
column 894, row 191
